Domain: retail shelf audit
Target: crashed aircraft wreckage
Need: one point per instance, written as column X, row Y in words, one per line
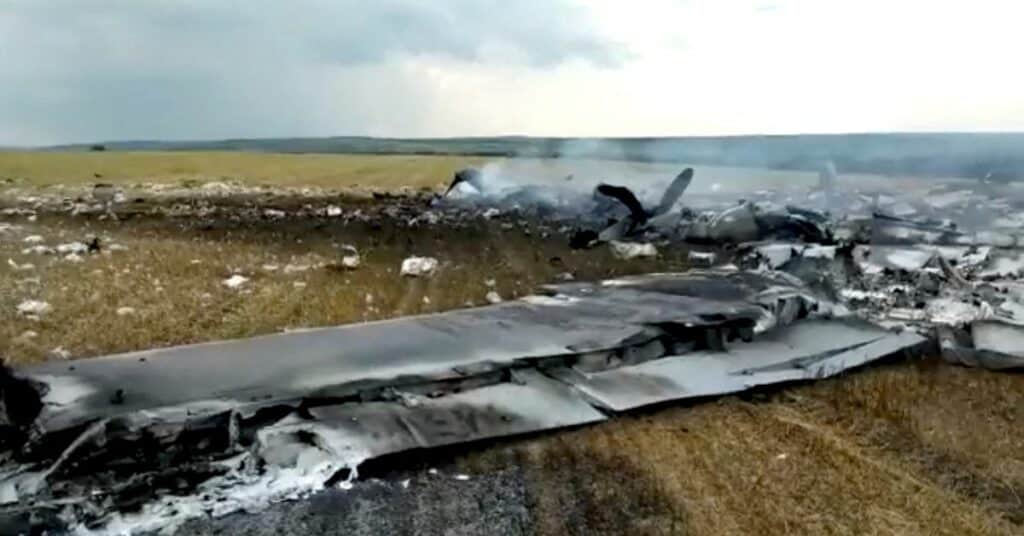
column 615, row 213
column 145, row 440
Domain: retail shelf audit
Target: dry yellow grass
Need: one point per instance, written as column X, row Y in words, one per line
column 173, row 279
column 324, row 170
column 854, row 455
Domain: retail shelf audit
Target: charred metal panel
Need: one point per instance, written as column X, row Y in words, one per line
column 529, row 402
column 807, row 350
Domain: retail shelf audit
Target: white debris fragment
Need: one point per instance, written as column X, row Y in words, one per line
column 461, row 477
column 777, row 255
column 426, row 300
column 350, row 259
column 299, row 284
column 33, row 239
column 419, row 266
column 1012, row 311
column 490, row 283
column 195, row 261
column 215, row 187
column 632, row 250
column 33, row 307
column 235, row 281
column 903, row 209
column 73, row 257
column 855, row 295
column 60, row 353
column 1004, row 264
column 20, row 267
column 957, row 312
column 405, row 483
column 333, row 211
column 274, row 213
column 270, row 267
column 429, row 217
column 491, row 213
column 493, row 297
column 432, row 471
column 350, row 262
column 116, row 247
column 72, row 247
column 38, row 250
column 125, row 311
column 815, row 251
column 26, row 336
column 369, row 299
column 702, row 258
column 296, row 268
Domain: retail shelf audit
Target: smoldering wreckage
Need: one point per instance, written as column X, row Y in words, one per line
column 144, row 441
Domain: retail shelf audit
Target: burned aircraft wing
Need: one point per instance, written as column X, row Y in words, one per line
column 145, row 439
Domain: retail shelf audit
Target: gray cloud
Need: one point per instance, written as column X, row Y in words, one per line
column 116, row 69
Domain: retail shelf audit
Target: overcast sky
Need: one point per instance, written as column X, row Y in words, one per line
column 86, row 70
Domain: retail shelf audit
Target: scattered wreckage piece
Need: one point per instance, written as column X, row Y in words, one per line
column 891, row 230
column 147, row 439
column 966, row 297
column 988, row 344
column 749, row 222
column 639, row 220
column 470, row 176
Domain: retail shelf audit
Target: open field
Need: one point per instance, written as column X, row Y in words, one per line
column 901, row 448
column 325, row 170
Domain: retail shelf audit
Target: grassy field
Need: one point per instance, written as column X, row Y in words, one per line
column 172, row 278
column 323, row 170
column 898, row 449
column 901, row 448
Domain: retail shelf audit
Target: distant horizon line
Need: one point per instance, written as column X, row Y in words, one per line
column 518, row 136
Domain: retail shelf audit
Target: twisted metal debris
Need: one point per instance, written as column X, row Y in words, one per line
column 146, row 440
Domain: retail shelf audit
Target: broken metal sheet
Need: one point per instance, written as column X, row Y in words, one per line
column 1003, row 264
column 531, row 402
column 890, row 230
column 990, row 345
column 1004, row 341
column 808, row 350
column 736, row 225
column 912, row 258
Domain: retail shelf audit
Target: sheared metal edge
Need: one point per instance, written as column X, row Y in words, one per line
column 530, row 402
column 809, row 350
